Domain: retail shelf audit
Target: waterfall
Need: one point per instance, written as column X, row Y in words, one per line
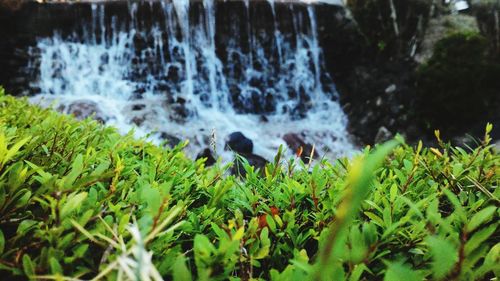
column 277, row 34
column 175, row 77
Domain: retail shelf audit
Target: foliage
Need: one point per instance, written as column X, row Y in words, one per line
column 458, row 84
column 78, row 199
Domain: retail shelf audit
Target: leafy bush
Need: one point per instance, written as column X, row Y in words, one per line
column 458, row 87
column 78, row 199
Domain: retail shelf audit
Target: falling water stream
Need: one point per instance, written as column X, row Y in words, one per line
column 172, row 78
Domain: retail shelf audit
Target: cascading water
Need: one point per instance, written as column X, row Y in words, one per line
column 173, row 77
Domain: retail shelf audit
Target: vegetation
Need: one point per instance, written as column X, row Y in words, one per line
column 458, row 84
column 77, row 199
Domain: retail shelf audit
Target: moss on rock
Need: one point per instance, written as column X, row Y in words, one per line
column 458, row 87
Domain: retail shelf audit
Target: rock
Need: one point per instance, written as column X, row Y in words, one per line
column 237, row 142
column 383, row 135
column 391, row 89
column 138, row 120
column 440, row 27
column 207, row 154
column 254, row 160
column 179, row 112
column 171, row 139
column 85, row 108
column 137, row 107
column 295, row 142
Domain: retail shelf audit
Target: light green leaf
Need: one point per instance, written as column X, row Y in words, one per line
column 14, row 149
column 481, row 217
column 398, row 271
column 76, row 170
column 25, row 226
column 55, row 266
column 444, row 255
column 152, row 197
column 180, row 271
column 74, row 201
column 28, row 266
column 479, row 237
column 393, row 192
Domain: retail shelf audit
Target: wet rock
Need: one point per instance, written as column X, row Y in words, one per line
column 207, row 154
column 296, row 143
column 391, row 89
column 138, row 120
column 237, row 142
column 138, row 107
column 171, row 139
column 383, row 135
column 84, row 108
column 179, row 111
column 254, row 160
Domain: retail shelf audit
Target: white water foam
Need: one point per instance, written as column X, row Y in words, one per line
column 181, row 64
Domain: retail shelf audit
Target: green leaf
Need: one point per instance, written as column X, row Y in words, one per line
column 398, row 271
column 25, row 226
column 80, row 250
column 180, row 271
column 393, row 192
column 357, row 272
column 481, row 217
column 14, row 149
column 479, row 237
column 239, row 233
column 24, row 199
column 55, row 266
column 375, row 219
column 408, row 165
column 459, row 209
column 2, row 242
column 444, row 255
column 74, row 201
column 152, row 197
column 271, row 223
column 28, row 266
column 491, row 262
column 76, row 170
column 203, row 246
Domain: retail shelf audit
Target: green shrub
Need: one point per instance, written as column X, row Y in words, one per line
column 458, row 87
column 77, row 199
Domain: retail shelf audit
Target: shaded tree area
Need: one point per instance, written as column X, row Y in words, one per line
column 428, row 67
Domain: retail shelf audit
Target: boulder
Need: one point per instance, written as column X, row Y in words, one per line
column 207, row 154
column 295, row 142
column 254, row 160
column 85, row 108
column 138, row 107
column 179, row 110
column 383, row 135
column 239, row 143
column 171, row 139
